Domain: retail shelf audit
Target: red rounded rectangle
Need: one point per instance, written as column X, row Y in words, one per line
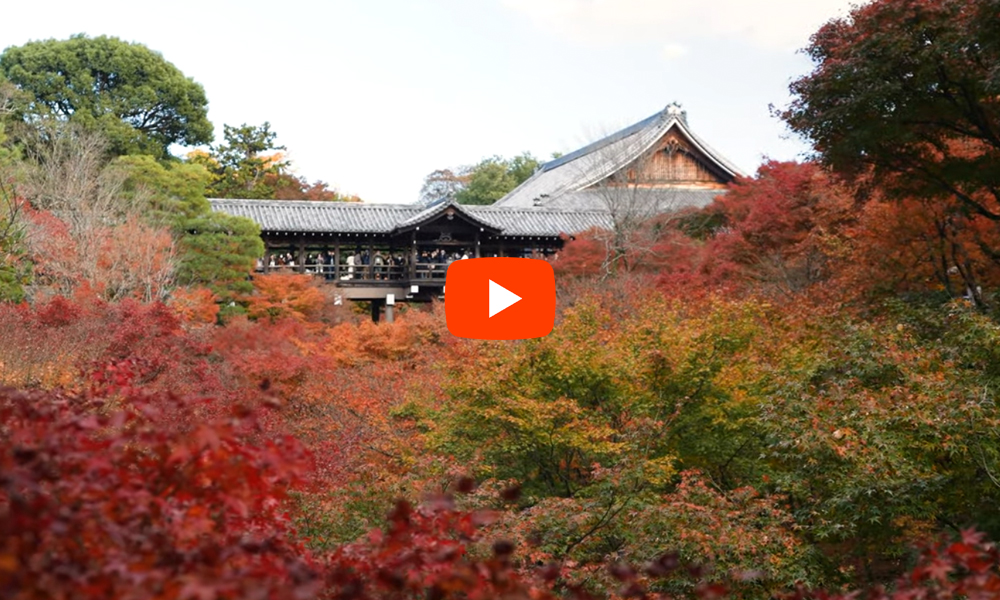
column 500, row 298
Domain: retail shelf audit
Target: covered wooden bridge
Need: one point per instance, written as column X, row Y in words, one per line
column 370, row 251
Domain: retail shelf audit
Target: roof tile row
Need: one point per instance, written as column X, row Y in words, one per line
column 349, row 217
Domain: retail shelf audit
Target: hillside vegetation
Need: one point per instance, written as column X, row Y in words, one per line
column 790, row 392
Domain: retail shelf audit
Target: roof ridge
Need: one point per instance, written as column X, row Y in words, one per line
column 602, row 142
column 534, row 209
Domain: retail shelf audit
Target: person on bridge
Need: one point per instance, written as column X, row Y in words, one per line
column 350, row 267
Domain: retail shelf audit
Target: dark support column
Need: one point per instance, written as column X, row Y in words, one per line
column 267, row 258
column 501, row 247
column 376, row 309
column 387, row 271
column 370, row 267
column 300, row 256
column 336, row 259
column 413, row 257
column 477, row 245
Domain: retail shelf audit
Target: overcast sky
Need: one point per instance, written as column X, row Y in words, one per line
column 371, row 96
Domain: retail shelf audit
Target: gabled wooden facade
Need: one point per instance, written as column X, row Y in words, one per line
column 660, row 153
column 674, row 162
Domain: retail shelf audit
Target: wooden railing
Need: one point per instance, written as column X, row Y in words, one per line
column 367, row 274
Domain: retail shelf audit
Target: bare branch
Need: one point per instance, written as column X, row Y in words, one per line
column 634, row 193
column 107, row 243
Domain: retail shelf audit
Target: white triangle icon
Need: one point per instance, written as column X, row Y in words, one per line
column 501, row 298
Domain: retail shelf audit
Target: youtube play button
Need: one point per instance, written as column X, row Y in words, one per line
column 500, row 298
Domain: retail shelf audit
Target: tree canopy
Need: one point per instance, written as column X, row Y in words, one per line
column 250, row 164
column 907, row 90
column 241, row 162
column 215, row 250
column 15, row 269
column 483, row 183
column 904, row 95
column 137, row 99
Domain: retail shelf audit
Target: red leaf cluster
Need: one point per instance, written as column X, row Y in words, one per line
column 109, row 500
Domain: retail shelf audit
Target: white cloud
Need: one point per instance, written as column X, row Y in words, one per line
column 781, row 24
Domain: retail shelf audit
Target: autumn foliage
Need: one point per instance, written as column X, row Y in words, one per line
column 724, row 434
column 284, row 295
column 758, row 410
column 788, row 393
column 111, row 496
column 103, row 259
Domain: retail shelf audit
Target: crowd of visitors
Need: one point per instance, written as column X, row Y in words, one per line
column 362, row 264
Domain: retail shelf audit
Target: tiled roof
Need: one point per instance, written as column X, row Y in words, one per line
column 594, row 162
column 429, row 212
column 656, row 199
column 542, row 221
column 355, row 217
column 309, row 216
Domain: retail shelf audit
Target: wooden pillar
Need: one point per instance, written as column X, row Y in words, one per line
column 377, row 309
column 267, row 258
column 336, row 259
column 477, row 245
column 300, row 256
column 413, row 257
column 387, row 272
column 501, row 248
column 370, row 267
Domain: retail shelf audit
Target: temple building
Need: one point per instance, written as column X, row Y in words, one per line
column 658, row 157
column 401, row 251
